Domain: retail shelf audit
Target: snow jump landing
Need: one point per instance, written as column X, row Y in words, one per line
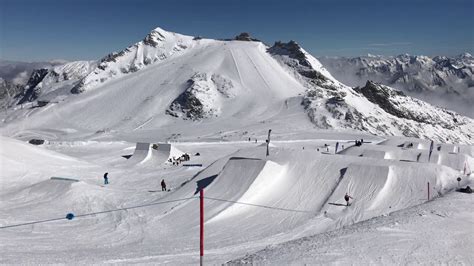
column 146, row 152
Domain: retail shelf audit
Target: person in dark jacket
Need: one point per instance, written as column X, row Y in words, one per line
column 163, row 185
column 346, row 198
column 106, row 178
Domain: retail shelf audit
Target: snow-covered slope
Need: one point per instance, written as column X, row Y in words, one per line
column 441, row 80
column 157, row 46
column 47, row 84
column 410, row 236
column 302, row 191
column 168, row 83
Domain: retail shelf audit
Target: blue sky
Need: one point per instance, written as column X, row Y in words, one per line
column 34, row 30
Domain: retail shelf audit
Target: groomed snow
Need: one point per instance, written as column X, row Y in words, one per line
column 296, row 185
column 252, row 200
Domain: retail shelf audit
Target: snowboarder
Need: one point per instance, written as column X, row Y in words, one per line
column 346, row 198
column 106, row 178
column 163, row 185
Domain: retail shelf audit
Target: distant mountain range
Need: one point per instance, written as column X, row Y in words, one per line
column 15, row 74
column 444, row 81
column 170, row 83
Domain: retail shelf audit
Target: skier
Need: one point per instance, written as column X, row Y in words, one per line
column 163, row 185
column 347, row 197
column 106, row 179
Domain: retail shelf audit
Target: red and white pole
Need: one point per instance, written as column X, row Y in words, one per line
column 201, row 223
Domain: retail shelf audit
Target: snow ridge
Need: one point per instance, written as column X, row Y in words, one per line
column 374, row 108
column 157, row 46
column 440, row 80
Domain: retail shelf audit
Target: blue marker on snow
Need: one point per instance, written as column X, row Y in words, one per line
column 70, row 216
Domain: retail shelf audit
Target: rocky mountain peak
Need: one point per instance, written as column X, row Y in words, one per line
column 245, row 36
column 464, row 56
column 291, row 49
column 156, row 36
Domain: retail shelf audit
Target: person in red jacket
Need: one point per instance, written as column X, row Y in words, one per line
column 347, row 197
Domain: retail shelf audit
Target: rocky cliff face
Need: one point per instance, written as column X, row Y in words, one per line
column 373, row 108
column 47, row 83
column 31, row 91
column 443, row 81
column 202, row 97
column 7, row 92
column 400, row 105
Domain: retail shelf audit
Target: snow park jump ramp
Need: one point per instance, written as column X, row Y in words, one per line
column 295, row 186
column 286, row 183
column 363, row 183
column 453, row 160
column 43, row 191
column 141, row 153
column 147, row 153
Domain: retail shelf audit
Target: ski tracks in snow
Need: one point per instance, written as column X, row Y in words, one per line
column 258, row 71
column 144, row 123
column 237, row 68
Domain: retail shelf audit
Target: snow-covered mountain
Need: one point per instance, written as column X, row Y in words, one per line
column 440, row 80
column 170, row 81
column 132, row 113
column 18, row 72
column 48, row 84
column 14, row 75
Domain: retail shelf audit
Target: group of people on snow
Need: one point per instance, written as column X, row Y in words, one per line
column 176, row 161
column 359, row 142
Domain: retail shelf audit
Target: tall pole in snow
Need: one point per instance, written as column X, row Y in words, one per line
column 428, row 190
column 201, row 226
column 268, row 142
column 431, row 150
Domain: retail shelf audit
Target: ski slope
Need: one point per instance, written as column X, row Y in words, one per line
column 170, row 84
column 216, row 101
column 237, row 180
